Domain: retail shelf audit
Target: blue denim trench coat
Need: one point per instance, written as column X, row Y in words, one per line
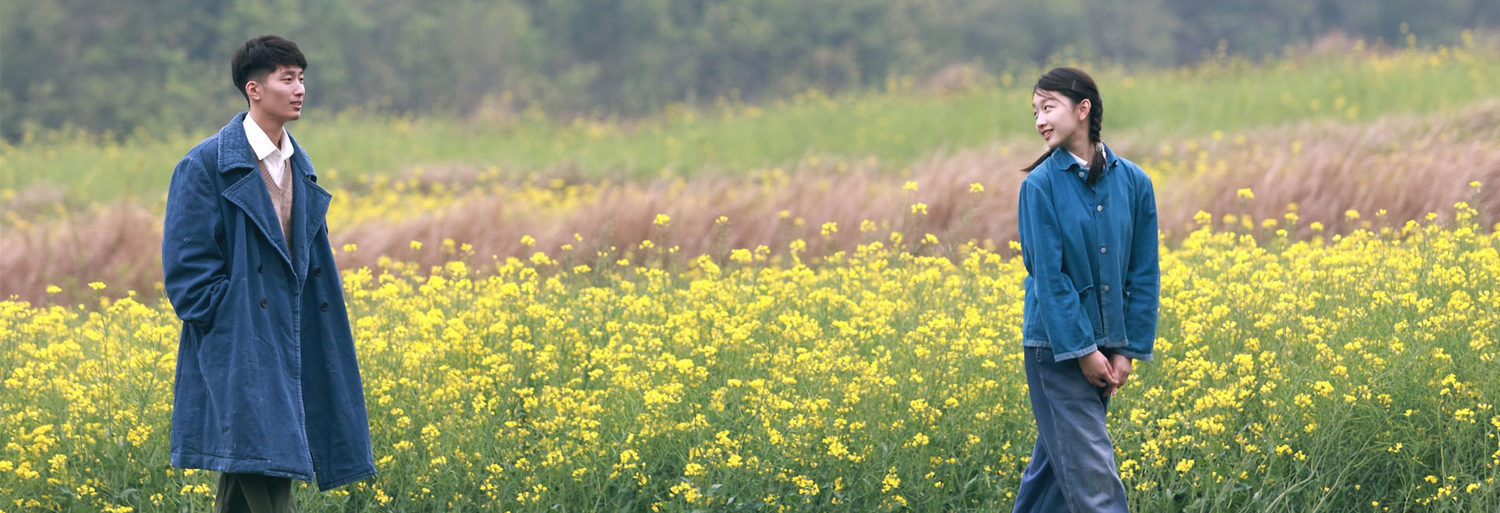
column 267, row 380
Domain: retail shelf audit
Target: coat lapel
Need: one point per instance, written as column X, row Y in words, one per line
column 249, row 192
column 309, row 210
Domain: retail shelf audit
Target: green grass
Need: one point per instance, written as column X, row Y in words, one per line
column 894, row 126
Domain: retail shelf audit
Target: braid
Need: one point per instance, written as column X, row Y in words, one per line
column 1096, row 123
column 1045, row 155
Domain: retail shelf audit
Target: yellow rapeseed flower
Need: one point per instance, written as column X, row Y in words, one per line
column 528, row 376
column 829, row 228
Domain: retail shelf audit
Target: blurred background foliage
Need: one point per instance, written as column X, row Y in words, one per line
column 121, row 67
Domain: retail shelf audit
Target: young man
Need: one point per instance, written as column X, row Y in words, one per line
column 267, row 387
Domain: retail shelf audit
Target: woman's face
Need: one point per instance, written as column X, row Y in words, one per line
column 1060, row 121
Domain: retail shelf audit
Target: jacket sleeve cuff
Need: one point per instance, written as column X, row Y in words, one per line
column 1135, row 350
column 1057, row 357
column 1132, row 354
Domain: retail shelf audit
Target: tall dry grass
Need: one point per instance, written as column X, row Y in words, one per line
column 118, row 244
column 1408, row 166
column 770, row 209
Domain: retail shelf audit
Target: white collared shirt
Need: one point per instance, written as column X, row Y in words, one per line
column 267, row 153
column 1081, row 162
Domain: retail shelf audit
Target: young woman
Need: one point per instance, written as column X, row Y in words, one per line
column 1088, row 240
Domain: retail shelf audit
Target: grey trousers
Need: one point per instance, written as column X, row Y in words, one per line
column 1073, row 463
column 254, row 493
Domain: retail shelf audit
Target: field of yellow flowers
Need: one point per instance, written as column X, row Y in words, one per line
column 1355, row 372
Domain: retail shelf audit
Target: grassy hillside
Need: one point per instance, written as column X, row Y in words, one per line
column 896, row 126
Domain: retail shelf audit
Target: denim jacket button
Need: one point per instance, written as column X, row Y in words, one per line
column 1104, row 288
column 1103, row 249
column 1081, row 174
column 1099, row 208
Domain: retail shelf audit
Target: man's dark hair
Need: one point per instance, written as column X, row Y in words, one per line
column 260, row 56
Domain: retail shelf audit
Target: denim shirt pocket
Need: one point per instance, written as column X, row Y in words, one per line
column 1089, row 300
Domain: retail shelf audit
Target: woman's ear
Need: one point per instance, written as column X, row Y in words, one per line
column 1084, row 106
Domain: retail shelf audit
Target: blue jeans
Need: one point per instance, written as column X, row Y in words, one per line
column 1073, row 464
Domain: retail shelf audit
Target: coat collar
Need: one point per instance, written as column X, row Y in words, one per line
column 236, row 153
column 1061, row 160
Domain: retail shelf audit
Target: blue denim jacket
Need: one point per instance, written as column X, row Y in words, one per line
column 1091, row 258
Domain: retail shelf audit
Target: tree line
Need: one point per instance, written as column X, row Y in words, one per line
column 127, row 65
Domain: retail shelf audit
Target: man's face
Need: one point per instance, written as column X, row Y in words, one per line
column 279, row 95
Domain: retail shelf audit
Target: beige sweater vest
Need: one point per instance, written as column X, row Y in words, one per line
column 281, row 198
